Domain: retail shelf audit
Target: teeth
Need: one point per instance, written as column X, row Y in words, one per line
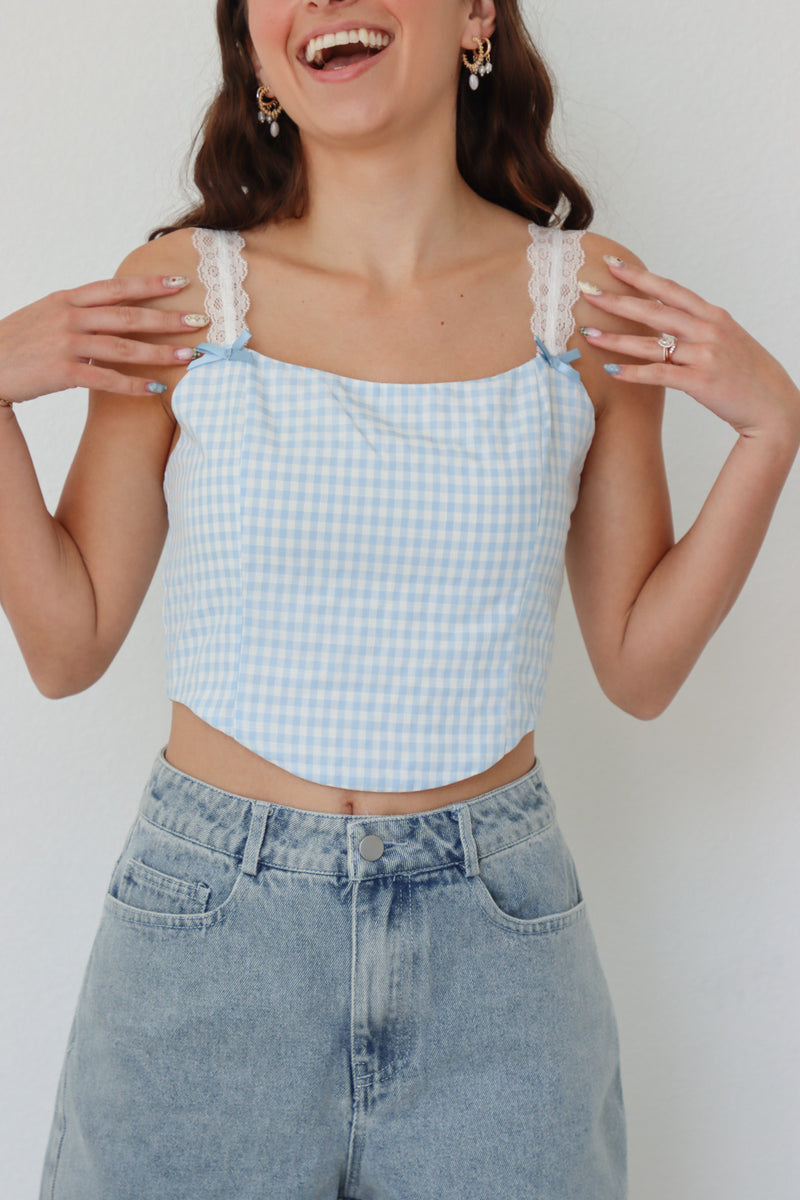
column 369, row 38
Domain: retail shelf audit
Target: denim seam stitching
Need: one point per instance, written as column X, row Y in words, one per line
column 536, row 926
column 404, row 871
column 62, row 1105
column 517, row 841
column 178, row 921
column 169, row 885
column 334, row 874
column 185, row 837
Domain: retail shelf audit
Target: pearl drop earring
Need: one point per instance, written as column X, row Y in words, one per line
column 269, row 110
column 481, row 63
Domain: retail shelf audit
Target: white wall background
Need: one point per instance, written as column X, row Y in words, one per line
column 682, row 120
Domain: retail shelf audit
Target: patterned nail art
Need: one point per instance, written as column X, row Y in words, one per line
column 196, row 320
column 613, row 261
column 612, row 368
column 589, row 289
column 157, row 389
column 175, row 281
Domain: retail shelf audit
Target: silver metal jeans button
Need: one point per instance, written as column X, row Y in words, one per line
column 371, row 847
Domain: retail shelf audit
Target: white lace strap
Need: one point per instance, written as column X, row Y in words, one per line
column 556, row 257
column 222, row 270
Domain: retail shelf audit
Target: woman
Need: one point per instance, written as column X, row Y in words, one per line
column 344, row 951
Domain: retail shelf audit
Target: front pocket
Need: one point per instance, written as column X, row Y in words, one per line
column 531, row 885
column 165, row 879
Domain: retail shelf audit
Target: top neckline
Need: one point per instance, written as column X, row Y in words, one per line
column 237, row 349
column 269, row 360
column 240, row 250
column 231, row 352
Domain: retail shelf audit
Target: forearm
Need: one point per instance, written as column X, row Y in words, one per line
column 690, row 592
column 45, row 588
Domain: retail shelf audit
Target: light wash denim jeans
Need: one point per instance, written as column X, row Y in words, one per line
column 291, row 1005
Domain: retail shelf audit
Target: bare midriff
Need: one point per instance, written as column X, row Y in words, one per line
column 205, row 753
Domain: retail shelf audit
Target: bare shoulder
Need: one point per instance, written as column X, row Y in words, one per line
column 172, row 254
column 593, row 359
column 595, row 249
column 595, row 245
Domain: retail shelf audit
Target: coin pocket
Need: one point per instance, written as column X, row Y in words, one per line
column 145, row 888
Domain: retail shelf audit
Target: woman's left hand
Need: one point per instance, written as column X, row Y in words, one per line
column 715, row 361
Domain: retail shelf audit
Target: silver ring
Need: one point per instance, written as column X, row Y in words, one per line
column 668, row 343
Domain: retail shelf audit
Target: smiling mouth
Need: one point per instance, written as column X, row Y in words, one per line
column 333, row 51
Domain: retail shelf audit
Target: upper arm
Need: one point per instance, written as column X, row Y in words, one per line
column 622, row 524
column 112, row 504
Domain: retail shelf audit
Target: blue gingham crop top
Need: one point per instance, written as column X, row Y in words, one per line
column 361, row 578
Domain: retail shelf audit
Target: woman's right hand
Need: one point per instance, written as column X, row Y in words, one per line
column 56, row 343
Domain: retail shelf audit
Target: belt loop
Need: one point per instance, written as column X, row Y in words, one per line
column 468, row 842
column 255, row 838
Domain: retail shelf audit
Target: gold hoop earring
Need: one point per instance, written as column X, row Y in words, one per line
column 481, row 63
column 269, row 110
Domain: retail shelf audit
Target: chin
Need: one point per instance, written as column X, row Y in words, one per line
column 353, row 129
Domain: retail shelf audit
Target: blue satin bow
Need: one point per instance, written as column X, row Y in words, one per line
column 559, row 361
column 210, row 351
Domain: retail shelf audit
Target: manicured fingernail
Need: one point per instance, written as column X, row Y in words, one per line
column 587, row 331
column 613, row 261
column 196, row 320
column 157, row 389
column 612, row 368
column 589, row 289
column 176, row 281
column 185, row 354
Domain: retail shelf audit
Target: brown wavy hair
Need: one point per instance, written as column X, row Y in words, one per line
column 504, row 150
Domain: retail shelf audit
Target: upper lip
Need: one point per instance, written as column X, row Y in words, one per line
column 337, row 28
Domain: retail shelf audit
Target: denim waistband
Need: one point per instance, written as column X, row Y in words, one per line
column 263, row 832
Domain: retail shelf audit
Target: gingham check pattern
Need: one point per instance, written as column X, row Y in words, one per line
column 362, row 578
